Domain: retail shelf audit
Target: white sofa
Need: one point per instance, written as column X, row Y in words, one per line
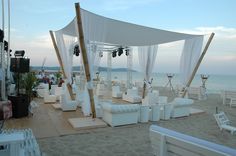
column 118, row 114
column 116, row 93
column 132, row 96
column 181, row 107
column 168, row 142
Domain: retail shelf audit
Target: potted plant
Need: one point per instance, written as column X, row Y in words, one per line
column 29, row 83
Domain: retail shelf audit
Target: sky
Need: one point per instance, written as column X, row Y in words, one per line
column 31, row 21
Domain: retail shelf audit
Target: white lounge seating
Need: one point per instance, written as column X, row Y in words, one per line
column 118, row 114
column 181, row 107
column 116, row 93
column 18, row 143
column 224, row 123
column 42, row 89
column 132, row 96
column 167, row 142
column 49, row 98
column 227, row 95
column 151, row 98
column 101, row 90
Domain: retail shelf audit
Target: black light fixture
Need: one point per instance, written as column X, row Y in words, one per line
column 19, row 53
column 1, row 35
column 126, row 52
column 76, row 50
column 5, row 45
column 114, row 53
column 100, row 54
column 120, row 51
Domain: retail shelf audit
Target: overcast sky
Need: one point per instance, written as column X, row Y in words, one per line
column 32, row 19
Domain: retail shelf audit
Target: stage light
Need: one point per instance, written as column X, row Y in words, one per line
column 126, row 52
column 5, row 45
column 100, row 54
column 19, row 53
column 1, row 35
column 76, row 50
column 120, row 51
column 114, row 53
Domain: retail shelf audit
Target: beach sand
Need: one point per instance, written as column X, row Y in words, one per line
column 134, row 139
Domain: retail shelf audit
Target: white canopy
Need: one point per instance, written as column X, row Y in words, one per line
column 106, row 30
column 102, row 30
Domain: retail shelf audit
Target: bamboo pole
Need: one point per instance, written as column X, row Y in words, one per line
column 85, row 57
column 69, row 87
column 144, row 90
column 198, row 63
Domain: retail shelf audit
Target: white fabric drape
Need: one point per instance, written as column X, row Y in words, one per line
column 147, row 57
column 123, row 33
column 189, row 58
column 63, row 43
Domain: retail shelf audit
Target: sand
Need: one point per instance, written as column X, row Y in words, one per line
column 134, row 139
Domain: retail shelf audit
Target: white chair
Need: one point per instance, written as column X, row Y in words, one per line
column 116, row 93
column 132, row 96
column 15, row 142
column 227, row 94
column 49, row 98
column 166, row 142
column 224, row 123
column 181, row 107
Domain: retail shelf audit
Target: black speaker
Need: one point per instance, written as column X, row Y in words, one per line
column 20, row 105
column 20, row 65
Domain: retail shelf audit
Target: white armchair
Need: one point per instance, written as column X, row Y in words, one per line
column 116, row 93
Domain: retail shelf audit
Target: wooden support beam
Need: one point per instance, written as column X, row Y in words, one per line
column 85, row 57
column 69, row 87
column 198, row 63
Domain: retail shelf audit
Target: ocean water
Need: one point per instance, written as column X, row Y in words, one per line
column 214, row 84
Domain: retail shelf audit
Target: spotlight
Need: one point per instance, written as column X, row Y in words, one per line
column 100, row 54
column 120, row 51
column 1, row 35
column 126, row 52
column 5, row 45
column 114, row 53
column 76, row 50
column 19, row 53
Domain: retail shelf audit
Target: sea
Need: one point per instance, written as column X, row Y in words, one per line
column 214, row 83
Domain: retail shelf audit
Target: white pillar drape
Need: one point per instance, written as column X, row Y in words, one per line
column 147, row 57
column 189, row 58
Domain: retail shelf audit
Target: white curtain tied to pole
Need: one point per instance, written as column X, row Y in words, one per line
column 189, row 58
column 147, row 57
column 63, row 43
